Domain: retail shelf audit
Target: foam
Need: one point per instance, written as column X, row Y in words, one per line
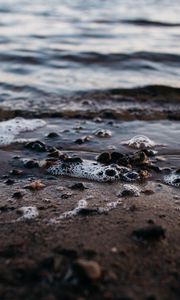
column 71, row 213
column 91, row 170
column 140, row 142
column 11, row 128
column 173, row 179
column 28, row 212
column 131, row 190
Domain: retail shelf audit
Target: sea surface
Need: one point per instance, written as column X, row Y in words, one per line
column 73, row 67
column 61, row 46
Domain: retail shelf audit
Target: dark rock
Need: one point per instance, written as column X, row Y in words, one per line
column 17, row 195
column 78, row 186
column 9, row 182
column 53, row 135
column 88, row 211
column 139, row 158
column 87, row 269
column 115, row 156
column 16, row 172
column 104, row 158
column 55, row 153
column 36, row 146
column 149, row 233
column 82, row 140
column 30, row 164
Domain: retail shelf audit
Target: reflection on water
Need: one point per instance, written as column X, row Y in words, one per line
column 61, row 46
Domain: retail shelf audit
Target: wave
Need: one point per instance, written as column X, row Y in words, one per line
column 139, row 22
column 145, row 22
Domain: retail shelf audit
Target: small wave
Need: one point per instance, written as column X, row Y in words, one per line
column 114, row 58
column 145, row 22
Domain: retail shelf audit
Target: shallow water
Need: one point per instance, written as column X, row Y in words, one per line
column 56, row 47
column 82, row 66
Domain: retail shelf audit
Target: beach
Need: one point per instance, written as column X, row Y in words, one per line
column 89, row 150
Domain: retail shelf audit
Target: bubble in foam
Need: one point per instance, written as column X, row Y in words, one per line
column 140, row 142
column 11, row 128
column 173, row 179
column 91, row 170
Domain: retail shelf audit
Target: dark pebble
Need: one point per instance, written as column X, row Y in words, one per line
column 176, row 181
column 9, row 182
column 16, row 172
column 115, row 156
column 36, row 146
column 88, row 211
column 30, row 164
column 73, row 160
column 149, row 233
column 52, row 135
column 17, row 195
column 78, row 186
column 104, row 158
column 54, row 154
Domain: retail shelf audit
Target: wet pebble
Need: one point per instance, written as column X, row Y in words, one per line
column 35, row 185
column 16, row 172
column 17, row 195
column 78, row 186
column 87, row 269
column 130, row 190
column 36, row 146
column 52, row 135
column 103, row 133
column 30, row 164
column 83, row 140
column 149, row 233
column 9, row 181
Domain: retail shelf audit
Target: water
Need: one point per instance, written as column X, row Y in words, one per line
column 57, row 47
column 83, row 65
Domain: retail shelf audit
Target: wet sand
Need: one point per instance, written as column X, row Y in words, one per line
column 130, row 242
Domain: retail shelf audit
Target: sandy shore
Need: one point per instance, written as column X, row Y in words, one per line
column 38, row 257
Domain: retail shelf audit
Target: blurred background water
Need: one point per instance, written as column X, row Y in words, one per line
column 61, row 46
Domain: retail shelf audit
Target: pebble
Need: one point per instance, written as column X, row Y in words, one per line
column 52, row 135
column 130, row 190
column 149, row 233
column 89, row 269
column 103, row 133
column 17, row 195
column 78, row 186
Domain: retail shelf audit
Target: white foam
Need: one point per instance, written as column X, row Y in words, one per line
column 132, row 190
column 140, row 142
column 28, row 212
column 90, row 170
column 12, row 128
column 172, row 179
column 71, row 213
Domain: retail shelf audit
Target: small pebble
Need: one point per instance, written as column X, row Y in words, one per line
column 149, row 233
column 89, row 269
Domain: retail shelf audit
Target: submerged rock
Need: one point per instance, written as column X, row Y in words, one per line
column 103, row 133
column 139, row 142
